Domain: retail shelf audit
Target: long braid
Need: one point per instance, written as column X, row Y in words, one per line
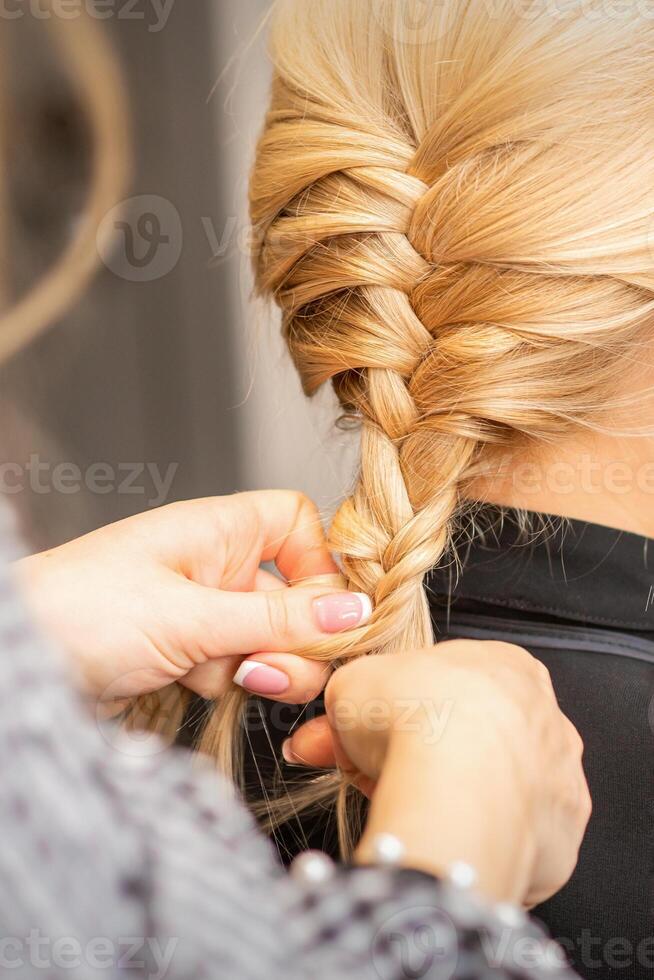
column 386, row 539
column 454, row 324
column 345, row 280
column 453, row 207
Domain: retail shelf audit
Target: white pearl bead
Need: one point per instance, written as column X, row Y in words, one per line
column 462, row 875
column 510, row 915
column 312, row 867
column 387, row 849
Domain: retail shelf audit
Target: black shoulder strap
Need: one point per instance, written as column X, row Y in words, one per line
column 547, row 636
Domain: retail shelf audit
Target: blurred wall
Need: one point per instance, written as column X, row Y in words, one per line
column 165, row 376
column 140, row 373
column 286, row 440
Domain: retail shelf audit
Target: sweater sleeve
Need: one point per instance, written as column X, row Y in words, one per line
column 120, row 856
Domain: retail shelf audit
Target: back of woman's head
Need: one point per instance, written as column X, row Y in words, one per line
column 453, row 206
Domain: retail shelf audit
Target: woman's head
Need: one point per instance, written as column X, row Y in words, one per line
column 453, row 205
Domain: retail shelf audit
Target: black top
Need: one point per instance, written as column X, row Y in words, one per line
column 552, row 569
column 580, row 597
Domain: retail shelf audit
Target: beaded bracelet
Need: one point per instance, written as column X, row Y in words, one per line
column 520, row 945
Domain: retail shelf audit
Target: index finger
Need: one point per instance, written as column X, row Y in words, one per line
column 292, row 534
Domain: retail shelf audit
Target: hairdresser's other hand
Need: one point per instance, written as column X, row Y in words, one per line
column 466, row 756
column 177, row 594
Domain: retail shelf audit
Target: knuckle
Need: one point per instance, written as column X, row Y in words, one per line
column 567, row 870
column 304, row 501
column 207, row 689
column 512, row 650
column 300, row 501
column 309, row 694
column 542, row 672
column 308, row 682
column 277, row 617
column 576, row 741
column 579, row 744
column 519, row 661
column 585, row 802
column 515, row 655
column 344, row 679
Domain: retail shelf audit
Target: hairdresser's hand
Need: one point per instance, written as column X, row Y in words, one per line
column 177, row 594
column 466, row 756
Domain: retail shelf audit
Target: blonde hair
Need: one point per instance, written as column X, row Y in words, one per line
column 453, row 205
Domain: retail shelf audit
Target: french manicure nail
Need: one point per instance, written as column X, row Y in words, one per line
column 342, row 611
column 261, row 679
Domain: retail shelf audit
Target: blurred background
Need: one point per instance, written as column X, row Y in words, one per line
column 166, row 381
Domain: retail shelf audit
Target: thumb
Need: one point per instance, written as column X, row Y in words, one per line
column 317, row 746
column 221, row 624
column 312, row 745
column 275, row 676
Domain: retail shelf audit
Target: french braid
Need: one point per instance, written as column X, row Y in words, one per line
column 453, row 206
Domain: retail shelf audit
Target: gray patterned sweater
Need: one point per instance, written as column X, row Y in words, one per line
column 116, row 862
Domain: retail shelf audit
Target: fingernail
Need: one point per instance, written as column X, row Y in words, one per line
column 261, row 679
column 342, row 611
column 288, row 754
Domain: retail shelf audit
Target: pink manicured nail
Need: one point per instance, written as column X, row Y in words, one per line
column 261, row 679
column 342, row 611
